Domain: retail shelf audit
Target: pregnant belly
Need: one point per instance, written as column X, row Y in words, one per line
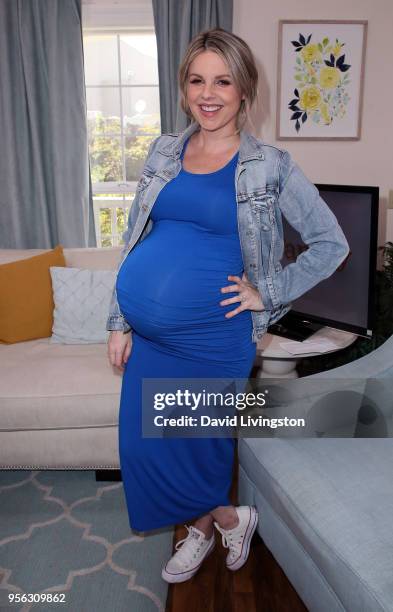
column 171, row 281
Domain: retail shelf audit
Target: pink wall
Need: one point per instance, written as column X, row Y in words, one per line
column 367, row 161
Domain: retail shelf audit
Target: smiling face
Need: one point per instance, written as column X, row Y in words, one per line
column 211, row 93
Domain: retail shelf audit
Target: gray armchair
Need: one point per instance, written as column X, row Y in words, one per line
column 325, row 501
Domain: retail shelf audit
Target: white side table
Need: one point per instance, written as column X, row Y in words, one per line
column 275, row 362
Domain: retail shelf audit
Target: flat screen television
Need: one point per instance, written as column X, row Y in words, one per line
column 345, row 300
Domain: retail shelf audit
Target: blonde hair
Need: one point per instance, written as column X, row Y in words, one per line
column 240, row 60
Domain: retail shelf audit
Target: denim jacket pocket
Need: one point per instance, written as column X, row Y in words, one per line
column 261, row 206
column 260, row 209
column 142, row 187
column 145, row 180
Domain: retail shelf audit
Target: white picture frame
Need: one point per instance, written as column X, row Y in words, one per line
column 320, row 79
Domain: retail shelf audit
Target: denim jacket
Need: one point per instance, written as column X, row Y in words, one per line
column 269, row 184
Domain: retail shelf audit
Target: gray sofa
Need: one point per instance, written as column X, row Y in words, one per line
column 326, row 503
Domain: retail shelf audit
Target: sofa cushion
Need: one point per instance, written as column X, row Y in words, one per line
column 45, row 386
column 26, row 300
column 336, row 497
column 93, row 258
column 82, row 299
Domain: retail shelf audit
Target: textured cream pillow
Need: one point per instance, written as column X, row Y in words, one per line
column 26, row 300
column 82, row 300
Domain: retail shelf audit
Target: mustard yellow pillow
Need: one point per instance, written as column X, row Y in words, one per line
column 26, row 298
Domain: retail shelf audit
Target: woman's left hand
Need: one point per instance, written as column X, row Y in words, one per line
column 249, row 297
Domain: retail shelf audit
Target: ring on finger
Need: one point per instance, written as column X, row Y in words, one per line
column 242, row 297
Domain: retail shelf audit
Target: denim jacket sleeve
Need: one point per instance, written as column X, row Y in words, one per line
column 304, row 209
column 116, row 321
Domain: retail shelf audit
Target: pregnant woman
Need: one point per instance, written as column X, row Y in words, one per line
column 184, row 305
column 180, row 289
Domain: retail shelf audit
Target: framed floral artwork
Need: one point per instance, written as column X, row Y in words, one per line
column 320, row 79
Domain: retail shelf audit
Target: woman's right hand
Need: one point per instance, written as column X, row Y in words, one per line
column 119, row 348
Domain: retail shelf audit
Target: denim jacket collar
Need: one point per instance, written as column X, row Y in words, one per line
column 250, row 147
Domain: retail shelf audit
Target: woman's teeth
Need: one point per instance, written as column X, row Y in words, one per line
column 210, row 110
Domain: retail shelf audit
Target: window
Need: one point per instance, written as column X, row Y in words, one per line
column 123, row 116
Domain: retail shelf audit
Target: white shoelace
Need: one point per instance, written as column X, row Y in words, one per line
column 231, row 540
column 191, row 541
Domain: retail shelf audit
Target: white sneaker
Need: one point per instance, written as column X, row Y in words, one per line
column 238, row 539
column 188, row 559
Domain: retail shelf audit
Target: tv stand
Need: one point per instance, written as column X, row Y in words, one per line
column 295, row 330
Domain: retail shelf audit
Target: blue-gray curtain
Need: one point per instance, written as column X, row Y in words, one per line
column 45, row 185
column 176, row 23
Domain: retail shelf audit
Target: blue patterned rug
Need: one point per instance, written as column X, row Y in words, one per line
column 63, row 532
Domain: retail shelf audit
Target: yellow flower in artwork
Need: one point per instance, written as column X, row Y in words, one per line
column 329, row 77
column 326, row 118
column 310, row 98
column 310, row 53
column 336, row 49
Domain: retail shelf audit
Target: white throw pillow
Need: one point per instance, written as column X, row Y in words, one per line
column 82, row 300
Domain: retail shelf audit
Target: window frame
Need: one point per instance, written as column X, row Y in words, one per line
column 123, row 191
column 118, row 187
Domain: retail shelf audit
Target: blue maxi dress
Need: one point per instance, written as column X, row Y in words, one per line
column 168, row 290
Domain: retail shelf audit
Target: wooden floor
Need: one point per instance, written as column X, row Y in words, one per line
column 259, row 586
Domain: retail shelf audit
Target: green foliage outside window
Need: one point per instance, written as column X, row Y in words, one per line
column 106, row 167
column 105, row 148
column 108, row 226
